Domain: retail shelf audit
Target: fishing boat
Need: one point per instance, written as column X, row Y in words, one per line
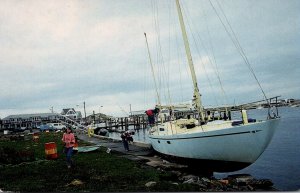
column 205, row 136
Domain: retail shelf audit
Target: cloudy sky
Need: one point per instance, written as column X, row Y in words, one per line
column 61, row 54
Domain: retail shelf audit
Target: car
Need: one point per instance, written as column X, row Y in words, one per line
column 18, row 129
column 57, row 126
column 46, row 127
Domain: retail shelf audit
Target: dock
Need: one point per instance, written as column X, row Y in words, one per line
column 136, row 148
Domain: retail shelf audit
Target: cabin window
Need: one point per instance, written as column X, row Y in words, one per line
column 158, row 141
column 168, row 142
column 161, row 129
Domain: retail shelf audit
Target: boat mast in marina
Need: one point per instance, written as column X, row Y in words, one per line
column 197, row 96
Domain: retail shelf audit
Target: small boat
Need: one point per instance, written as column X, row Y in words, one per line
column 85, row 149
column 103, row 132
column 260, row 107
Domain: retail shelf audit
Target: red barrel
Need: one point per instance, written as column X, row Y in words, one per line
column 51, row 150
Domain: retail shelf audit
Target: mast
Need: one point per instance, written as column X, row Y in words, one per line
column 197, row 96
column 152, row 69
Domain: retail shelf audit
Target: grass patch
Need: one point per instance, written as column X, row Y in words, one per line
column 96, row 171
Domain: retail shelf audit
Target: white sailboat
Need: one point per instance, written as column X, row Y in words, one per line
column 203, row 138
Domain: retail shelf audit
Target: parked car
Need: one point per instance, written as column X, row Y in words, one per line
column 57, row 126
column 46, row 127
column 18, row 129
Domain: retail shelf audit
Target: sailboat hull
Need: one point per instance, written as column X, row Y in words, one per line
column 244, row 143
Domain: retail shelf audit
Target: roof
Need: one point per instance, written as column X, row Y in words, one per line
column 25, row 116
column 64, row 111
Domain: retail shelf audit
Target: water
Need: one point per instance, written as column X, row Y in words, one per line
column 140, row 135
column 281, row 160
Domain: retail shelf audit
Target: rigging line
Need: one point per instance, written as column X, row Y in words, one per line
column 152, row 64
column 169, row 63
column 160, row 58
column 242, row 50
column 144, row 79
column 178, row 61
column 125, row 112
column 210, row 38
column 205, row 70
column 238, row 47
column 168, row 59
column 214, row 67
column 154, row 11
column 152, row 69
column 232, row 31
column 181, row 55
column 197, row 48
column 214, row 61
column 147, row 79
column 197, row 96
column 177, row 50
column 200, row 56
column 161, row 61
column 169, row 100
column 182, row 62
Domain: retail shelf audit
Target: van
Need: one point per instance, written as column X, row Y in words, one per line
column 46, row 127
column 57, row 126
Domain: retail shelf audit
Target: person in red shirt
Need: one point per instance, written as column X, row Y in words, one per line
column 69, row 142
column 151, row 113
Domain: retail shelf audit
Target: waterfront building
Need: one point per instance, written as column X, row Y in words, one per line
column 72, row 114
column 24, row 121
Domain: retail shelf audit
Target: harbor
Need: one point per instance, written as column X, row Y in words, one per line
column 284, row 178
column 136, row 120
column 86, row 174
column 156, row 96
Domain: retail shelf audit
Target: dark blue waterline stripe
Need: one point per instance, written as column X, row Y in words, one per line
column 207, row 136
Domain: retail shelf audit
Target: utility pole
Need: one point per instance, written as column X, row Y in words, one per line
column 100, row 113
column 130, row 109
column 94, row 117
column 84, row 110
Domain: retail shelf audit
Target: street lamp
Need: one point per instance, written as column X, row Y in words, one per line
column 100, row 113
column 51, row 109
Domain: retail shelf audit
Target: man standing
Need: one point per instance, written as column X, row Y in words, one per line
column 151, row 115
column 125, row 138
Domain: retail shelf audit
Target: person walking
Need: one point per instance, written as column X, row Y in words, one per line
column 125, row 138
column 69, row 142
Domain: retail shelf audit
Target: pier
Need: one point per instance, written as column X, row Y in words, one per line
column 139, row 119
